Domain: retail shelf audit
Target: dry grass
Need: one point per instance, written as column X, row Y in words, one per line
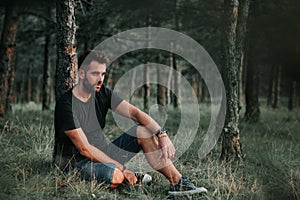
column 270, row 169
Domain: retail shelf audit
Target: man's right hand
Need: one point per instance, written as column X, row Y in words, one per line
column 130, row 176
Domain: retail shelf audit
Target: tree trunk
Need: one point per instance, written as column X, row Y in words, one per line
column 146, row 88
column 250, row 67
column 243, row 12
column 11, row 81
column 38, row 90
column 66, row 50
column 177, row 79
column 161, row 85
column 276, row 101
column 161, row 89
column 7, row 56
column 203, row 90
column 195, row 82
column 132, row 84
column 177, row 82
column 231, row 146
column 169, row 83
column 271, row 91
column 29, row 85
column 21, row 90
column 46, row 72
column 292, row 95
column 252, row 93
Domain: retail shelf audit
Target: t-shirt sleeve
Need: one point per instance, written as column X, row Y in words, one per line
column 64, row 117
column 114, row 98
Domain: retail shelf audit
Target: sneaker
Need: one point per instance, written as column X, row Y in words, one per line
column 185, row 187
column 143, row 178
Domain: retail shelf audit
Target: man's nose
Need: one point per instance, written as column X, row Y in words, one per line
column 101, row 78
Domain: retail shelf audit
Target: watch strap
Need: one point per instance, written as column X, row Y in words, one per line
column 161, row 130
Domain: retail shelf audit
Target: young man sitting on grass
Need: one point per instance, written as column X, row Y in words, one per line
column 80, row 144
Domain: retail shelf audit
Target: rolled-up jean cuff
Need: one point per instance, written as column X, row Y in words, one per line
column 102, row 172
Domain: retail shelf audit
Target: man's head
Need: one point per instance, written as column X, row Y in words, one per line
column 92, row 70
column 86, row 58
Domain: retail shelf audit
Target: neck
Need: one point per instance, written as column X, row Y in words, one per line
column 81, row 94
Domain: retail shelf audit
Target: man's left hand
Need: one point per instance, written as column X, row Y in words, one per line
column 167, row 147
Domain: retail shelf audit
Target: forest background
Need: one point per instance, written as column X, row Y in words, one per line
column 266, row 96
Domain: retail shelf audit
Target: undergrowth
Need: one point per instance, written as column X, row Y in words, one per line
column 270, row 170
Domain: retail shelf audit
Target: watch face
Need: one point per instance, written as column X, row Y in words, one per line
column 163, row 130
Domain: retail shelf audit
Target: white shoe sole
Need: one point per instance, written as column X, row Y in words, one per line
column 146, row 179
column 189, row 192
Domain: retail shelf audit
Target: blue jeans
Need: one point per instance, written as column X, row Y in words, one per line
column 121, row 149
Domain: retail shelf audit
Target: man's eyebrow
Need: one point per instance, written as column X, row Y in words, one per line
column 97, row 72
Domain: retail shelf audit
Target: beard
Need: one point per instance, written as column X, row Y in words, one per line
column 90, row 88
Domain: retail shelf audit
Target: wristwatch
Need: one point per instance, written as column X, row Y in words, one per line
column 161, row 131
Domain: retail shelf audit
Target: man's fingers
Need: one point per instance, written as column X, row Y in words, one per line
column 167, row 153
column 130, row 177
column 164, row 153
column 167, row 148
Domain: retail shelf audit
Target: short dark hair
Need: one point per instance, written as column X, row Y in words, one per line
column 86, row 58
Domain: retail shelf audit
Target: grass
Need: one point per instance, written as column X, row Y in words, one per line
column 271, row 169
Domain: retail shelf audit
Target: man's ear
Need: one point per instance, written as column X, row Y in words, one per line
column 81, row 73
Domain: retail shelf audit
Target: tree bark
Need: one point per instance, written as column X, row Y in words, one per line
column 46, row 72
column 231, row 145
column 11, row 83
column 66, row 50
column 243, row 12
column 8, row 57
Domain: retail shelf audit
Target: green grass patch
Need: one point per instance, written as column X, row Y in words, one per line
column 271, row 169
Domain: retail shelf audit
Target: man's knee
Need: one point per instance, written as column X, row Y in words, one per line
column 143, row 133
column 118, row 177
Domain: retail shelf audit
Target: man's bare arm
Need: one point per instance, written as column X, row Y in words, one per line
column 79, row 139
column 130, row 111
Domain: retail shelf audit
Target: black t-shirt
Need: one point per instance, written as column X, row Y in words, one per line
column 90, row 116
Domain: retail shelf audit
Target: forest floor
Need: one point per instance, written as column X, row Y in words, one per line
column 270, row 170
